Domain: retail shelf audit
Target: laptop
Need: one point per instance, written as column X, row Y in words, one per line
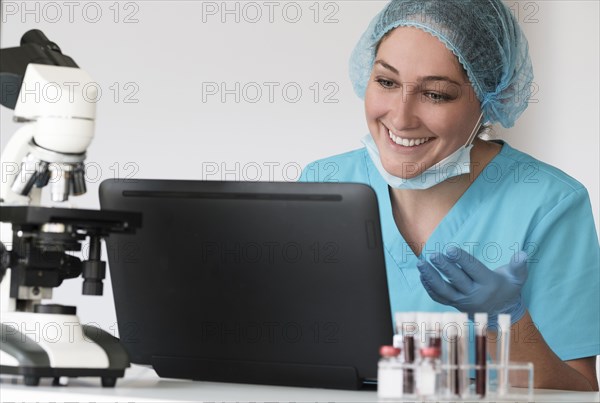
column 251, row 282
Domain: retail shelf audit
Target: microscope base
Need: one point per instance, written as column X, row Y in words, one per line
column 87, row 351
column 33, row 375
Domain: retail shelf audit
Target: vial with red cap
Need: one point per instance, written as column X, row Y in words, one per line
column 428, row 372
column 389, row 373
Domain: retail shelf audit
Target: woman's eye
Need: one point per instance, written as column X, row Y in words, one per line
column 385, row 83
column 436, row 97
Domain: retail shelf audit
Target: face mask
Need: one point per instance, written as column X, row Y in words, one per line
column 457, row 163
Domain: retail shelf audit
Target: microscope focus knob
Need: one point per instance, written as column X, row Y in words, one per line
column 93, row 273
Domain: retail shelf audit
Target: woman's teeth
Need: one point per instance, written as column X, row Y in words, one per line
column 408, row 142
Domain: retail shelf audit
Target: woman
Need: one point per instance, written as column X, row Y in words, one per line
column 467, row 223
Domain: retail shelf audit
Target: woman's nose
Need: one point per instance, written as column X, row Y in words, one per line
column 402, row 112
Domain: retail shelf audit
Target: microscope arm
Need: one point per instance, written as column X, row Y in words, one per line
column 15, row 150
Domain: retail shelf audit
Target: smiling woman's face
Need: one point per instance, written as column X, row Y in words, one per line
column 419, row 104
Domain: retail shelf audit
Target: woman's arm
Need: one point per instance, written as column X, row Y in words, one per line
column 528, row 345
column 471, row 287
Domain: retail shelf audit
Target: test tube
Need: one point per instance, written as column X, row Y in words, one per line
column 450, row 353
column 398, row 340
column 400, row 343
column 429, row 330
column 424, row 334
column 409, row 329
column 463, row 353
column 437, row 324
column 481, row 322
column 502, row 352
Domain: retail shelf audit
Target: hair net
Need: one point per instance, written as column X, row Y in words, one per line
column 484, row 36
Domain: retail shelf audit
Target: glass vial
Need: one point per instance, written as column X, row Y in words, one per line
column 428, row 372
column 389, row 373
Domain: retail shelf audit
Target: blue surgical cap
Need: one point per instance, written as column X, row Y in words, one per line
column 484, row 36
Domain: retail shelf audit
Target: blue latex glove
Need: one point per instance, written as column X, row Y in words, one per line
column 471, row 287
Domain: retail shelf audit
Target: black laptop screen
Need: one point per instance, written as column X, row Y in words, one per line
column 228, row 280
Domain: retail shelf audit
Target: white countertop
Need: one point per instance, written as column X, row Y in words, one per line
column 141, row 384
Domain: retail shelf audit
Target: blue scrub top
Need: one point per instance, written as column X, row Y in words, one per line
column 516, row 203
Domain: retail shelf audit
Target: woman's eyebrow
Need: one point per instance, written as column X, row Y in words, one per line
column 387, row 66
column 437, row 78
column 421, row 80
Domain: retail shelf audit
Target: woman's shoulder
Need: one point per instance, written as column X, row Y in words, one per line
column 346, row 167
column 529, row 173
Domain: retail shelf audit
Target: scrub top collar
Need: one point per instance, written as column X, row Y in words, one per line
column 466, row 205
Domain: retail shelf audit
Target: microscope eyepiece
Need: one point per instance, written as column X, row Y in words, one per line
column 37, row 37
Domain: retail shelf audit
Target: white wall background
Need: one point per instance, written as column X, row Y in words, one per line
column 152, row 60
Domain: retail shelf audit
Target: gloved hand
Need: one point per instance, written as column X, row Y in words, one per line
column 472, row 287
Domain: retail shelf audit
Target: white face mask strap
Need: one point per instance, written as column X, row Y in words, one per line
column 475, row 130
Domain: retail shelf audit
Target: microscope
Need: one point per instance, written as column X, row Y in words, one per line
column 37, row 252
